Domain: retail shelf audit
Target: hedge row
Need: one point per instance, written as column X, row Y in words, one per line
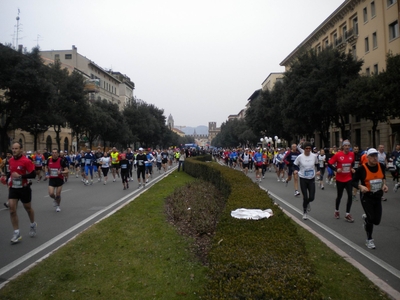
column 253, row 259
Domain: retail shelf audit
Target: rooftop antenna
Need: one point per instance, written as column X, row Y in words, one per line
column 17, row 18
column 38, row 38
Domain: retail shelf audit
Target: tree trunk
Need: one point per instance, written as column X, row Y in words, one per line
column 374, row 126
column 57, row 130
column 5, row 140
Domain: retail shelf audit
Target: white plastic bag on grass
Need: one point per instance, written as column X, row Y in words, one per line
column 251, row 214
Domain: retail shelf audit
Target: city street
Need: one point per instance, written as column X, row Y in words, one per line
column 81, row 206
column 84, row 205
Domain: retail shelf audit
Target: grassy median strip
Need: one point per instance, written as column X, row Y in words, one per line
column 134, row 254
column 137, row 254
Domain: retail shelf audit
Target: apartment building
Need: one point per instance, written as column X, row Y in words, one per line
column 271, row 80
column 369, row 30
column 102, row 84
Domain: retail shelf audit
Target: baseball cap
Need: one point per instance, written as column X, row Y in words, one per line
column 140, row 149
column 372, row 151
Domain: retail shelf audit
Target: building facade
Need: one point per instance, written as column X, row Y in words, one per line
column 369, row 30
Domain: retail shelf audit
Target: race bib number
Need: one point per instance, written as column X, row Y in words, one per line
column 356, row 164
column 87, row 161
column 82, row 160
column 140, row 162
column 17, row 183
column 309, row 173
column 376, row 185
column 346, row 168
column 38, row 163
column 53, row 172
column 124, row 166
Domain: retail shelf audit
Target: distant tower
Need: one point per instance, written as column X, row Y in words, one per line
column 170, row 122
column 212, row 126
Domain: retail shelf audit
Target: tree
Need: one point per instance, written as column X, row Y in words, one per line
column 311, row 88
column 366, row 99
column 27, row 92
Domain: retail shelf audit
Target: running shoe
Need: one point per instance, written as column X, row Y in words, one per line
column 139, row 185
column 305, row 217
column 16, row 238
column 384, row 199
column 32, row 230
column 99, row 179
column 322, row 187
column 58, row 209
column 348, row 218
column 337, row 215
column 395, row 187
column 279, row 180
column 5, row 204
column 370, row 244
column 296, row 193
column 354, row 198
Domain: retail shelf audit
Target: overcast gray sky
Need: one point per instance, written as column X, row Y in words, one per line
column 197, row 60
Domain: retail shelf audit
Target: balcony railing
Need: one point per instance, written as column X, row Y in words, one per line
column 352, row 34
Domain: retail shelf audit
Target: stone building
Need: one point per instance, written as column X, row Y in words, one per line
column 369, row 30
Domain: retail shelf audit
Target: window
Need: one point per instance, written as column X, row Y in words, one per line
column 56, row 57
column 368, row 71
column 373, row 10
column 390, row 2
column 365, row 14
column 334, row 39
column 355, row 25
column 68, row 56
column 376, row 69
column 354, row 51
column 344, row 32
column 374, row 40
column 326, row 42
column 318, row 48
column 366, row 44
column 393, row 30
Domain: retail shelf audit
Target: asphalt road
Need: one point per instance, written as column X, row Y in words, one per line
column 84, row 205
column 81, row 206
column 348, row 238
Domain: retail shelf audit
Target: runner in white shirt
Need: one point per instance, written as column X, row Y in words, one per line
column 105, row 166
column 305, row 167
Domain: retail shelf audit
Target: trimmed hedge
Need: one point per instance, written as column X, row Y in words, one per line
column 253, row 259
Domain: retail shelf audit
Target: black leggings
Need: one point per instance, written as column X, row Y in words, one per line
column 124, row 176
column 307, row 187
column 373, row 209
column 340, row 186
column 140, row 171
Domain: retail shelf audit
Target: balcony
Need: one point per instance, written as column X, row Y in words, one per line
column 340, row 43
column 352, row 35
column 92, row 86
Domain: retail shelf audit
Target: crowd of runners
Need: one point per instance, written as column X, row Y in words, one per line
column 20, row 169
column 347, row 168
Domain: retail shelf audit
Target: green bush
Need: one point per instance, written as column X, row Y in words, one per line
column 253, row 259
